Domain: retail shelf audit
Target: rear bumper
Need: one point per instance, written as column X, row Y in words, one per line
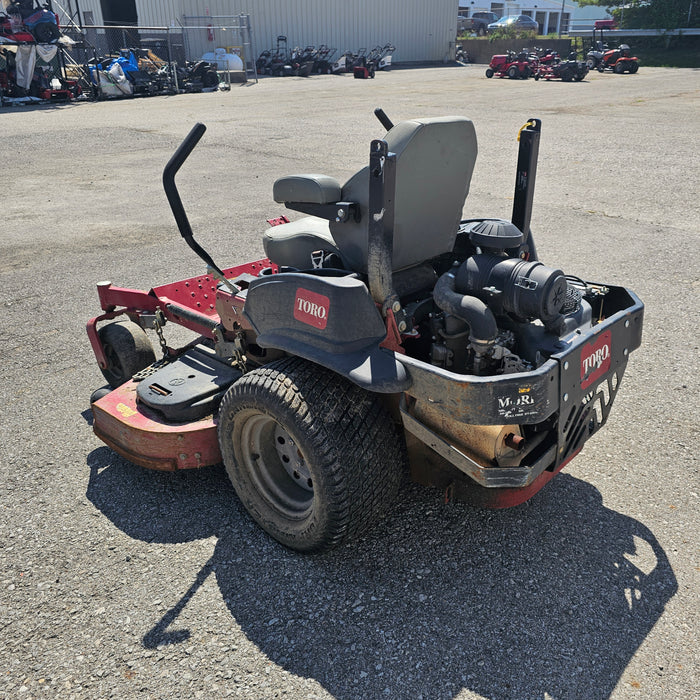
column 568, row 398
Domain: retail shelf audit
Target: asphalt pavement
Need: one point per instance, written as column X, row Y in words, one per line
column 119, row 582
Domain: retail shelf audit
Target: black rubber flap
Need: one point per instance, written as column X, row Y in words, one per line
column 189, row 388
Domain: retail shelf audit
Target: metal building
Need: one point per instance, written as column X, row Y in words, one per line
column 421, row 30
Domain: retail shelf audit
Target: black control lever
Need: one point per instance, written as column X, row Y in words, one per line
column 383, row 119
column 183, row 224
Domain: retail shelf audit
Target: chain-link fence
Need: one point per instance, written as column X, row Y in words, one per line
column 223, row 40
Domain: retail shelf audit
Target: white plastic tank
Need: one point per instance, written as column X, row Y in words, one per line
column 224, row 60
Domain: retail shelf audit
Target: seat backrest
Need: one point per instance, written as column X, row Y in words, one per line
column 434, row 163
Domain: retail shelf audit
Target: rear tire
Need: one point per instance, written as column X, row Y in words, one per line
column 619, row 68
column 127, row 349
column 314, row 459
column 512, row 72
column 633, row 67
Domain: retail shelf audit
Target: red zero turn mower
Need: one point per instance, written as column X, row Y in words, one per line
column 380, row 331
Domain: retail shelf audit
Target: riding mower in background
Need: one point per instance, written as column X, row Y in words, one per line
column 382, row 328
column 550, row 66
column 511, row 65
column 595, row 53
column 619, row 60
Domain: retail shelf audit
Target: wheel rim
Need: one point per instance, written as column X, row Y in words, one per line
column 276, row 465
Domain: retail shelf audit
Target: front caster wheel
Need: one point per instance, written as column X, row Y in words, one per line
column 127, row 349
column 314, row 459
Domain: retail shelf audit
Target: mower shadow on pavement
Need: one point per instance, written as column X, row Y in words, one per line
column 554, row 596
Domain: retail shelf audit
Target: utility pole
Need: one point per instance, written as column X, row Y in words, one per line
column 561, row 17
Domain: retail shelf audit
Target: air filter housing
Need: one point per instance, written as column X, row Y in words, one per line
column 497, row 234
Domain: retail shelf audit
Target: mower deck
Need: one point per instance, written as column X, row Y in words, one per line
column 145, row 439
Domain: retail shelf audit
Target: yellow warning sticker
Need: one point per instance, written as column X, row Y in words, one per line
column 125, row 410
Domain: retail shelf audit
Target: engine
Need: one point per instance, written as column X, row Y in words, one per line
column 500, row 313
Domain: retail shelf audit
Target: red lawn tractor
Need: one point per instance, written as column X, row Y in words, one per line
column 619, row 60
column 511, row 65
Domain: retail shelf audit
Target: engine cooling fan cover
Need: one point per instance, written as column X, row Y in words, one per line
column 495, row 233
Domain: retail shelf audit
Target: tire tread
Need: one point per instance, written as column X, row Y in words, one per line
column 353, row 438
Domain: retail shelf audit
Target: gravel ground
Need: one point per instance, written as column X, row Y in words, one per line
column 118, row 582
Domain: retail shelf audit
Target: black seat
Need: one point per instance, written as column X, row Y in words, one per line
column 434, row 163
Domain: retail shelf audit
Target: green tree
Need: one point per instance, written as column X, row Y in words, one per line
column 652, row 14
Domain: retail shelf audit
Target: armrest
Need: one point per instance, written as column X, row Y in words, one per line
column 312, row 189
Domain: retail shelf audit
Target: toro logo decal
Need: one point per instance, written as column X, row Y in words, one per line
column 595, row 359
column 311, row 308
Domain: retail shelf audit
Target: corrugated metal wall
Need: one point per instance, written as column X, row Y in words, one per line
column 421, row 30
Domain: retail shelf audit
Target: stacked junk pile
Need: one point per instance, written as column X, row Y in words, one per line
column 280, row 61
column 36, row 63
column 139, row 72
column 30, row 40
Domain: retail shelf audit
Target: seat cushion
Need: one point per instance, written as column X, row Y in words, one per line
column 292, row 244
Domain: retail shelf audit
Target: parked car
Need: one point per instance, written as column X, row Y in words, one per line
column 517, row 21
column 478, row 22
